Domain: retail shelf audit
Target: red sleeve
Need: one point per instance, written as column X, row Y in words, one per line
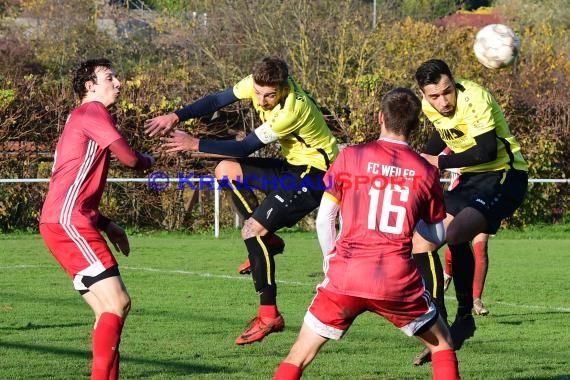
column 127, row 156
column 99, row 126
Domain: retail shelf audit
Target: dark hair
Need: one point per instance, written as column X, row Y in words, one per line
column 85, row 72
column 401, row 109
column 271, row 71
column 430, row 72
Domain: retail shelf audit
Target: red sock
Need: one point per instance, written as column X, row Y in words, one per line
column 447, row 266
column 106, row 337
column 268, row 311
column 444, row 365
column 481, row 265
column 287, row 371
column 114, row 374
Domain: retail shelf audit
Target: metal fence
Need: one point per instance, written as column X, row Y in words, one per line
column 216, row 188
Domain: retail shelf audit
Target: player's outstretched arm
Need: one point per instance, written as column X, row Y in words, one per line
column 128, row 157
column 161, row 124
column 181, row 141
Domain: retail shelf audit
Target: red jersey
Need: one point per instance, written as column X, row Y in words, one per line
column 80, row 170
column 384, row 188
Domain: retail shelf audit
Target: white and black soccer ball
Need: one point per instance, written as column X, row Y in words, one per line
column 496, row 45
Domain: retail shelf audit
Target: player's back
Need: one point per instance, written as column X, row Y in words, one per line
column 384, row 188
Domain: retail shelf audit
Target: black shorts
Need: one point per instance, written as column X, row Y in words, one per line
column 88, row 281
column 292, row 191
column 496, row 195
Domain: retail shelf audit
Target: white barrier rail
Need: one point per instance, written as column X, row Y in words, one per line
column 217, row 189
column 202, row 180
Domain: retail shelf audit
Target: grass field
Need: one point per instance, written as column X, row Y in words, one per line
column 189, row 304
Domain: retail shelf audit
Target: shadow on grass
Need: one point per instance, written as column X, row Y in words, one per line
column 529, row 317
column 32, row 326
column 151, row 366
column 558, row 377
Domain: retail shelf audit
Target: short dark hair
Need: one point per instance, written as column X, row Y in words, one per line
column 401, row 109
column 85, row 72
column 271, row 71
column 430, row 72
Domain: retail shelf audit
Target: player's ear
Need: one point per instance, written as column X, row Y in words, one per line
column 380, row 118
column 89, row 85
column 421, row 94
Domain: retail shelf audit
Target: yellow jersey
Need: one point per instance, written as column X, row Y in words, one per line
column 302, row 132
column 477, row 112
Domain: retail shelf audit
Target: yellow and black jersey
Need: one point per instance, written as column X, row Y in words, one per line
column 297, row 121
column 477, row 112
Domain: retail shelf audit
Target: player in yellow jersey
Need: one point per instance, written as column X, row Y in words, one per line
column 492, row 184
column 293, row 185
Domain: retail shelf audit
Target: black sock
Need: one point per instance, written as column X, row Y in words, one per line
column 431, row 270
column 463, row 267
column 262, row 270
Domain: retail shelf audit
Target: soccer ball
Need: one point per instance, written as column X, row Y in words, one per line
column 496, row 45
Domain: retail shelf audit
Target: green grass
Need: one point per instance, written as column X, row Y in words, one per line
column 189, row 304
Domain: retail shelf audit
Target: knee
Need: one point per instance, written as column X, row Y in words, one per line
column 126, row 305
column 225, row 169
column 453, row 234
column 122, row 305
column 251, row 229
column 220, row 170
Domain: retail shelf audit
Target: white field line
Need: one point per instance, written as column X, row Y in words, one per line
column 243, row 278
column 208, row 275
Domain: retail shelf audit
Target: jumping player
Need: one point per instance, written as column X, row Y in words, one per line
column 293, row 186
column 493, row 173
column 70, row 221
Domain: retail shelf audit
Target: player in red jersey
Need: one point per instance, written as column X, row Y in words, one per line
column 382, row 190
column 70, row 221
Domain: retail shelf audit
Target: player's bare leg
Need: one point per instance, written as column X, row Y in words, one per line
column 111, row 304
column 302, row 353
column 438, row 341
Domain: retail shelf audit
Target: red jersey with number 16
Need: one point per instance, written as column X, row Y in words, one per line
column 80, row 170
column 384, row 188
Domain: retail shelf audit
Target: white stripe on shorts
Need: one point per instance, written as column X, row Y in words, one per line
column 411, row 328
column 321, row 329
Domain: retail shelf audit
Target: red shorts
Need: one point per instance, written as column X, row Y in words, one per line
column 331, row 314
column 81, row 251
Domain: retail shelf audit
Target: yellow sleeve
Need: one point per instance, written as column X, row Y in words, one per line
column 244, row 88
